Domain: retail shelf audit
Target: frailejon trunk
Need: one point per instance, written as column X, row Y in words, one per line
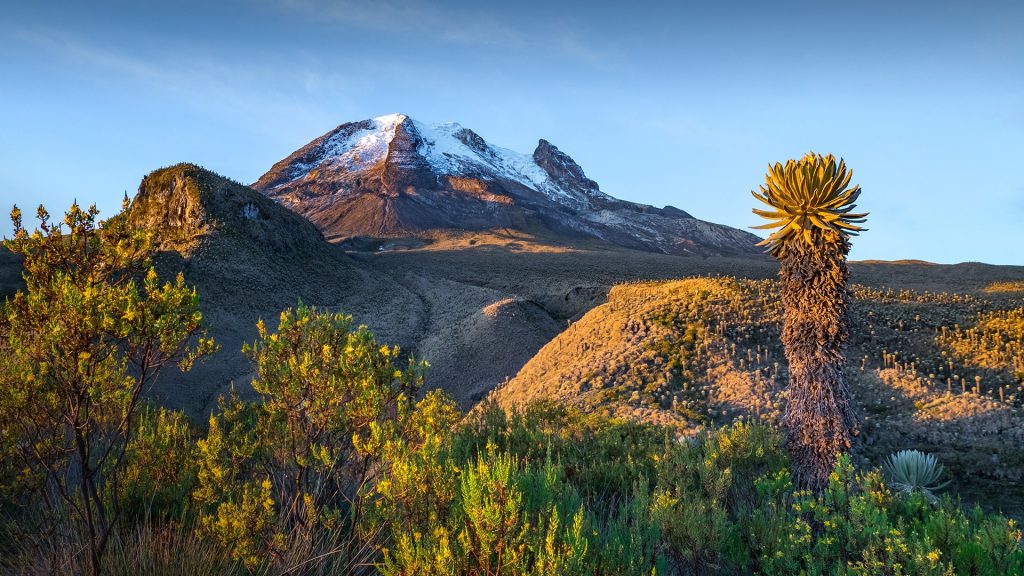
column 819, row 419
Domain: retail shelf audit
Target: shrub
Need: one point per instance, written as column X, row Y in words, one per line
column 159, row 464
column 547, row 490
column 603, row 457
column 708, row 486
column 511, row 517
column 278, row 475
column 78, row 347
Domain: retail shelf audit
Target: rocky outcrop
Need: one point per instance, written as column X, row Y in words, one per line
column 563, row 169
column 393, row 177
column 185, row 203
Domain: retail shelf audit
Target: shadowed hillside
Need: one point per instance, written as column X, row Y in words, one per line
column 10, row 272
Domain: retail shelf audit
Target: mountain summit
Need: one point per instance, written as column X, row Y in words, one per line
column 394, row 177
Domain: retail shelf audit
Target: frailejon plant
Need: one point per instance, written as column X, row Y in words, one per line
column 913, row 471
column 79, row 345
column 812, row 209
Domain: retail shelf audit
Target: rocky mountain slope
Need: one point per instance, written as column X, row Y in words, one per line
column 247, row 257
column 394, row 177
column 186, row 204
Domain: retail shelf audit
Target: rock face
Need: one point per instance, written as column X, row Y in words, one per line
column 561, row 168
column 393, row 177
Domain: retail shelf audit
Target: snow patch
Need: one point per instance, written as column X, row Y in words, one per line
column 364, row 148
column 441, row 146
column 449, row 155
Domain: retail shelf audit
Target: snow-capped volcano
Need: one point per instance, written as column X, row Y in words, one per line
column 392, row 176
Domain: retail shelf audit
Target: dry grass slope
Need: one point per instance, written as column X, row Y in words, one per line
column 936, row 371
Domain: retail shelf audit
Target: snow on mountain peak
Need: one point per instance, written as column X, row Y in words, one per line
column 449, row 149
column 453, row 150
column 389, row 119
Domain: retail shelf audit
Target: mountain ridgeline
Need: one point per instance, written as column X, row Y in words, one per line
column 394, row 177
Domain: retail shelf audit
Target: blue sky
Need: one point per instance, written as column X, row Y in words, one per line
column 660, row 102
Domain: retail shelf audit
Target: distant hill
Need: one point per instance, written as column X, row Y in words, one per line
column 394, row 177
column 910, row 262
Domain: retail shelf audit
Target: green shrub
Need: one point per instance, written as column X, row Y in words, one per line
column 547, row 490
column 160, row 465
column 603, row 457
column 88, row 334
column 707, row 487
column 511, row 517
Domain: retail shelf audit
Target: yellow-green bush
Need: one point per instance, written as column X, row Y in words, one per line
column 88, row 334
column 296, row 473
column 159, row 464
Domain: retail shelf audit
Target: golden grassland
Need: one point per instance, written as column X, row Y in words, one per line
column 1016, row 287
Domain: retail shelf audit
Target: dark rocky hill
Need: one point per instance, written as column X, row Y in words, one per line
column 185, row 204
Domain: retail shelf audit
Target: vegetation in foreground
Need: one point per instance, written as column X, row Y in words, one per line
column 341, row 467
column 552, row 491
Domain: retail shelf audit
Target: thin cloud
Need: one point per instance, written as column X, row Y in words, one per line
column 402, row 16
column 221, row 88
column 465, row 26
